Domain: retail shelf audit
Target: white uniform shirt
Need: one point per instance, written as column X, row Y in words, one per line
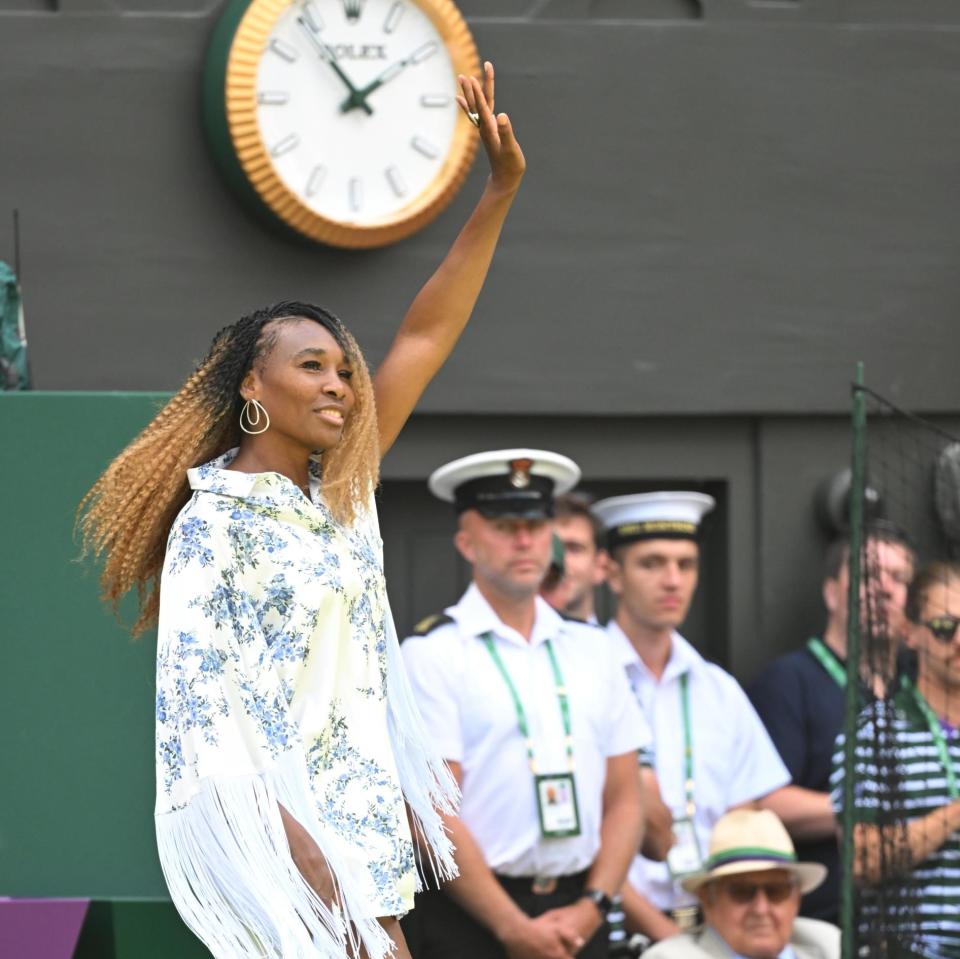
column 734, row 760
column 470, row 714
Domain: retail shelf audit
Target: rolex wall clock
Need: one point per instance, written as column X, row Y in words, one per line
column 337, row 117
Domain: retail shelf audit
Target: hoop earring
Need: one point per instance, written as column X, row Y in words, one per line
column 253, row 418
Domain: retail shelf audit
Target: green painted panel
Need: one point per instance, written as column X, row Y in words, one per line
column 136, row 929
column 76, row 694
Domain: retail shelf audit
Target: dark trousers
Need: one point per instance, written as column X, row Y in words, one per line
column 439, row 929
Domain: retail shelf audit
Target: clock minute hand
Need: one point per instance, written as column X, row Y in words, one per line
column 355, row 99
column 359, row 97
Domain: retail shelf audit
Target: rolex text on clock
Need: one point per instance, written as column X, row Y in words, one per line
column 339, row 117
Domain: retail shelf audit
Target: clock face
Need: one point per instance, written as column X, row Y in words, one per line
column 342, row 113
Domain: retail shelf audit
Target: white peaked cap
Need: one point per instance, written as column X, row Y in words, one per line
column 498, row 478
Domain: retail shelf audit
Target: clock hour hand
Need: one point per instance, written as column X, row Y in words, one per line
column 358, row 98
column 355, row 98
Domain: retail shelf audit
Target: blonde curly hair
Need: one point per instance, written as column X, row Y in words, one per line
column 127, row 515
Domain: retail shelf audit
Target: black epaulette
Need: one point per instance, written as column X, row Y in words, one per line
column 580, row 622
column 429, row 623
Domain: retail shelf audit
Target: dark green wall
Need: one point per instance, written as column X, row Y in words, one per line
column 76, row 694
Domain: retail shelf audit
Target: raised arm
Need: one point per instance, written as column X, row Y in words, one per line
column 440, row 311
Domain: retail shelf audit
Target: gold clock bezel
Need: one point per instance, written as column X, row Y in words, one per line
column 252, row 153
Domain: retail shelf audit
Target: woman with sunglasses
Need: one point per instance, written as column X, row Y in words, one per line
column 907, row 787
column 290, row 753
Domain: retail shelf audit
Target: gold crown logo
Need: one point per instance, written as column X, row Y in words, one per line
column 520, row 473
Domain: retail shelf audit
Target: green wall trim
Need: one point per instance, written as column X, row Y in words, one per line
column 28, row 395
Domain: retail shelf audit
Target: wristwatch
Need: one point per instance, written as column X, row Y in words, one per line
column 600, row 899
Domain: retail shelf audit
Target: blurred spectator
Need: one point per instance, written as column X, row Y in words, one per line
column 906, row 792
column 711, row 752
column 584, row 559
column 800, row 697
column 750, row 892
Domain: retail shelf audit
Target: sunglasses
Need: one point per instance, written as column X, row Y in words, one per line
column 944, row 628
column 742, row 891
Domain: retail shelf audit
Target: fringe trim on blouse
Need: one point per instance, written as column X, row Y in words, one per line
column 427, row 783
column 228, row 867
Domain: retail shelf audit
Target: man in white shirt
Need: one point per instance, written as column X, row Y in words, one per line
column 537, row 722
column 711, row 752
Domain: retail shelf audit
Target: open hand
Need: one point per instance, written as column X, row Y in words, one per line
column 507, row 164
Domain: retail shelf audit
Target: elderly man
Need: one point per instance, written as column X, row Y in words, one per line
column 535, row 718
column 750, row 891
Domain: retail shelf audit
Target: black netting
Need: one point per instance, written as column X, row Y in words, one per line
column 900, row 905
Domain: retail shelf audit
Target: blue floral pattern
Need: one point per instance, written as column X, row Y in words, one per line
column 273, row 637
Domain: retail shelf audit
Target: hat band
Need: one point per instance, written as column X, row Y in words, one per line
column 743, row 853
column 497, row 496
column 650, row 529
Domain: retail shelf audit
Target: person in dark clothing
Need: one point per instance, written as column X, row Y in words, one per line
column 800, row 697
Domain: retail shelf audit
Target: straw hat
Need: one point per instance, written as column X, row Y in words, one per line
column 751, row 840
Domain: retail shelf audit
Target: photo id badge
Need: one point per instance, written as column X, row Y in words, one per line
column 684, row 857
column 557, row 805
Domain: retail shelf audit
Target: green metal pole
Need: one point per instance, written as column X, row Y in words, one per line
column 857, row 480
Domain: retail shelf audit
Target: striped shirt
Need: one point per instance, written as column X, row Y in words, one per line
column 900, row 777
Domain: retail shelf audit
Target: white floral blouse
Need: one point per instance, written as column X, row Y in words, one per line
column 274, row 650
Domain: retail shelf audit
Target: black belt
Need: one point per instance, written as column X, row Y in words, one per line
column 542, row 885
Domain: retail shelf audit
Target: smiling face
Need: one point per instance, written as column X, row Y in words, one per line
column 654, row 581
column 303, row 382
column 510, row 555
column 753, row 912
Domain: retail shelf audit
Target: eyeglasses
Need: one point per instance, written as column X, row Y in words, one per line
column 944, row 628
column 742, row 891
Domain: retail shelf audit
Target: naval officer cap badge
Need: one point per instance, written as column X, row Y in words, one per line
column 517, row 482
column 520, row 473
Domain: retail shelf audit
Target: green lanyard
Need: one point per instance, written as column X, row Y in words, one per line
column 518, row 706
column 828, row 661
column 936, row 730
column 691, row 805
